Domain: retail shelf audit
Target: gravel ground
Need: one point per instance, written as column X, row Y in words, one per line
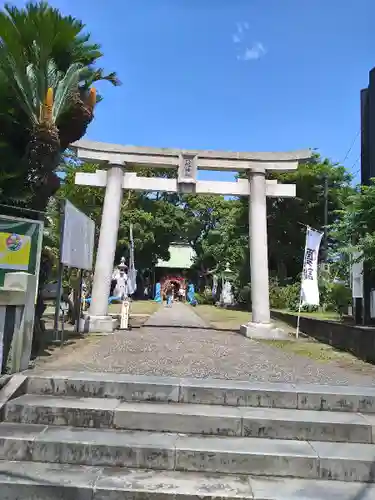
column 176, row 342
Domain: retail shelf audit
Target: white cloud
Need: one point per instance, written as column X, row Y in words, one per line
column 246, row 53
column 253, row 53
column 239, row 35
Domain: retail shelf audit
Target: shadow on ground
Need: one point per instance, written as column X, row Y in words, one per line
column 191, row 327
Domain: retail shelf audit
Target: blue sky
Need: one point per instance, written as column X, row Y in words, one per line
column 255, row 75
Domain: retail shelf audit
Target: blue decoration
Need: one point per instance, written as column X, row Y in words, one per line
column 110, row 300
column 157, row 297
column 191, row 295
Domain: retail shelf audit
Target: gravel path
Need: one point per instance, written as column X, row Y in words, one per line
column 176, row 342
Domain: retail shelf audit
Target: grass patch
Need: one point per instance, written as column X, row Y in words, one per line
column 230, row 319
column 138, row 307
column 320, row 352
column 323, row 315
column 220, row 318
column 309, row 349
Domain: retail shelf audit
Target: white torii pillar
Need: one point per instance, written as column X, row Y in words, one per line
column 258, row 247
column 99, row 320
column 256, row 187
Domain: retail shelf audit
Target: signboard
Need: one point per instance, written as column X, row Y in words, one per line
column 357, row 276
column 14, row 251
column 78, row 238
column 20, row 245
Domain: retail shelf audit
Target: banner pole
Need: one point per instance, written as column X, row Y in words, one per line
column 60, row 272
column 299, row 313
column 300, row 293
column 79, row 304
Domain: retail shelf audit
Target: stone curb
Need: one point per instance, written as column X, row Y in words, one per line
column 203, row 391
column 46, row 481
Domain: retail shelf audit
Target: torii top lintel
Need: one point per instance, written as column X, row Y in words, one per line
column 102, row 152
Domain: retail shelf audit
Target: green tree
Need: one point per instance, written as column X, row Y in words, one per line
column 47, row 68
column 210, row 227
column 354, row 228
column 157, row 220
column 287, row 218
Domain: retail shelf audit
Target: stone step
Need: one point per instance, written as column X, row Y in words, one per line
column 192, row 419
column 160, row 451
column 19, row 480
column 203, row 391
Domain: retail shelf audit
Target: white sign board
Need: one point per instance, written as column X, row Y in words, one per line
column 310, row 288
column 372, row 304
column 357, row 276
column 78, row 239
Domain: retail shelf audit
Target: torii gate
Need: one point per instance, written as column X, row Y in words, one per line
column 113, row 176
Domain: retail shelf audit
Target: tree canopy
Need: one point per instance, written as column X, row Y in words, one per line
column 47, row 69
column 287, row 218
column 217, row 227
column 354, row 229
column 157, row 220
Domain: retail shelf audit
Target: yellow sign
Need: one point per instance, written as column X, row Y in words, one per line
column 15, row 251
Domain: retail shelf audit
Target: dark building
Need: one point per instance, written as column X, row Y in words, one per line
column 363, row 314
column 368, row 131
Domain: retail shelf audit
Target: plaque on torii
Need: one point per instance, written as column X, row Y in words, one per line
column 187, row 173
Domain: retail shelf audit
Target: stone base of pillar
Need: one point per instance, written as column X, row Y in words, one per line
column 263, row 331
column 98, row 324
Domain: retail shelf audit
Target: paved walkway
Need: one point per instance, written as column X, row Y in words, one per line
column 176, row 342
column 179, row 315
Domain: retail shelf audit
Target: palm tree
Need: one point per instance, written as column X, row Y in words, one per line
column 47, row 70
column 44, row 95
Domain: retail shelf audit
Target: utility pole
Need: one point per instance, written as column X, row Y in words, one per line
column 325, row 244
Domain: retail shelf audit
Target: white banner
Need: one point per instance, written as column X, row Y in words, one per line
column 309, row 286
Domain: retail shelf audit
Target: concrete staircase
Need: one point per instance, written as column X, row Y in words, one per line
column 103, row 436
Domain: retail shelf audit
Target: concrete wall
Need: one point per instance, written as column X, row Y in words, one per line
column 357, row 340
column 10, row 322
column 17, row 307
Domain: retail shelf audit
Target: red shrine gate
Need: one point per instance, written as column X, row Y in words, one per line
column 176, row 281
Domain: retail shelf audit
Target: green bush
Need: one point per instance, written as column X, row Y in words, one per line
column 285, row 297
column 333, row 297
column 341, row 297
column 281, row 297
column 203, row 298
column 292, row 295
column 208, row 297
column 244, row 297
column 325, row 294
column 277, row 295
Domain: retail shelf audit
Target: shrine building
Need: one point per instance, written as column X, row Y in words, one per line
column 175, row 270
